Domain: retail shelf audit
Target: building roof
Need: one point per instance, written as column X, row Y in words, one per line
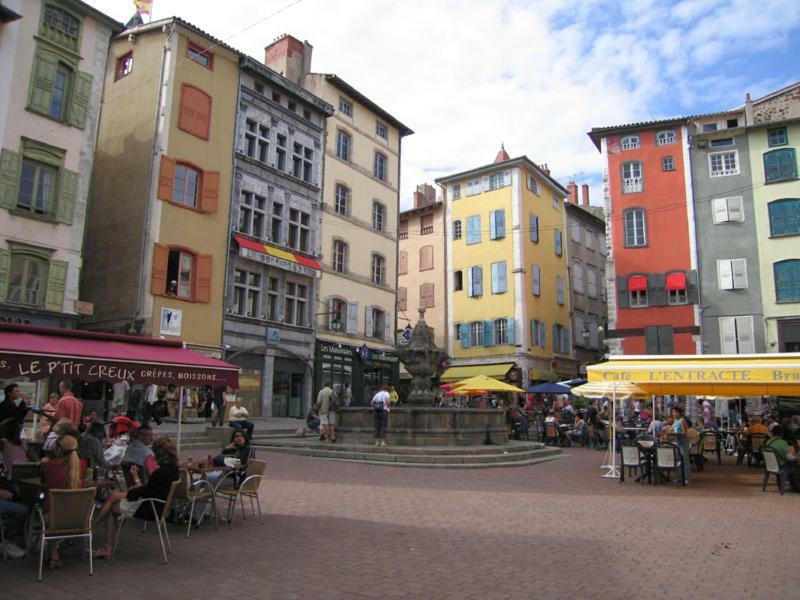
column 100, row 16
column 421, row 209
column 361, row 98
column 502, row 155
column 7, row 15
column 261, row 69
column 771, row 95
column 590, row 214
column 520, row 161
column 157, row 25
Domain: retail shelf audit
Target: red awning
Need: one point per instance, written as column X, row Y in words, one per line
column 32, row 352
column 676, row 281
column 637, row 283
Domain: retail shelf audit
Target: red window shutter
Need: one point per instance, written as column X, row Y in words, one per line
column 158, row 279
column 208, row 203
column 194, row 115
column 165, row 178
column 202, row 285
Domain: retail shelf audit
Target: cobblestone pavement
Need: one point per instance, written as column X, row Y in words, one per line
column 337, row 530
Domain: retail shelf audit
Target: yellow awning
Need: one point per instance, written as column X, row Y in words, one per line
column 498, row 371
column 542, row 375
column 710, row 374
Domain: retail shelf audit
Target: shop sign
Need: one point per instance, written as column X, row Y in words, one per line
column 274, row 261
column 382, row 355
column 339, row 349
column 171, row 319
column 273, row 335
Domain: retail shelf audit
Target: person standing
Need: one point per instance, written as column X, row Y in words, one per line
column 13, row 406
column 381, row 403
column 682, row 441
column 68, row 405
column 327, row 414
column 119, row 399
column 347, row 396
column 394, row 397
column 150, row 400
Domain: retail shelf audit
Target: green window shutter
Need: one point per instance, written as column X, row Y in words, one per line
column 80, row 99
column 10, row 163
column 56, row 284
column 67, row 192
column 43, row 78
column 5, row 264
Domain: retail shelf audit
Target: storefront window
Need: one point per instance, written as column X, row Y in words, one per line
column 250, row 390
column 287, row 394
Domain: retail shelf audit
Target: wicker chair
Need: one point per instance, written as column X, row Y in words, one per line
column 757, row 440
column 190, row 492
column 710, row 442
column 69, row 515
column 667, row 457
column 771, row 467
column 160, row 520
column 551, row 434
column 248, row 488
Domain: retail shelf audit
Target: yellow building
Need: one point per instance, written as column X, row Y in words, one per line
column 508, row 301
column 157, row 232
column 356, row 318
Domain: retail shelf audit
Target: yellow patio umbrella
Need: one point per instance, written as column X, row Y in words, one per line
column 606, row 389
column 482, row 382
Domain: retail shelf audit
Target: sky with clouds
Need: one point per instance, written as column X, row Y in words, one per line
column 466, row 75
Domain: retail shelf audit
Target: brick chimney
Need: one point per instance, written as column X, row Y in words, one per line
column 572, row 188
column 424, row 196
column 584, row 193
column 290, row 57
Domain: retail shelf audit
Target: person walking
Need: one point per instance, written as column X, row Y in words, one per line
column 327, row 414
column 381, row 403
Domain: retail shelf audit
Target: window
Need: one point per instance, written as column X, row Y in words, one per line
column 534, row 227
column 294, row 312
column 256, row 140
column 60, row 27
column 37, row 187
column 736, row 335
column 474, row 187
column 787, row 280
column 500, row 330
column 560, row 290
column 577, row 277
column 338, row 311
column 306, row 114
column 27, row 275
column 637, row 291
column 58, row 102
column 343, row 144
column 591, row 282
column 498, row 180
column 378, row 269
column 629, row 142
column 538, row 334
column 379, row 169
column 426, row 299
column 292, row 106
column 345, row 107
column 246, row 290
column 635, row 227
column 499, row 277
column 426, row 224
column 250, row 138
column 558, row 242
column 299, row 229
column 457, row 229
column 194, row 116
column 497, row 224
column 777, row 137
column 731, row 123
column 375, row 323
column 784, row 217
column 402, row 298
column 180, row 274
column 276, row 97
column 532, row 184
column 589, row 239
column 658, row 339
column 426, row 258
column 665, row 137
column 280, row 153
column 200, row 56
column 272, row 299
column 378, row 216
column 458, row 281
column 536, row 280
column 339, row 256
column 676, row 288
column 556, row 203
column 341, row 199
column 709, row 127
column 721, row 164
column 476, row 333
column 252, row 215
column 381, row 130
column 259, row 87
column 302, row 162
column 732, row 274
column 455, row 191
column 186, row 185
column 561, row 341
column 474, row 282
column 402, row 230
column 124, row 66
column 575, row 231
column 473, row 229
column 667, row 164
column 780, row 165
column 632, row 177
column 57, row 89
column 722, row 143
column 263, row 143
column 727, row 210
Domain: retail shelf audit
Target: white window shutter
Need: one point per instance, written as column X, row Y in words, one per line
column 537, row 285
column 727, row 334
column 720, row 208
column 506, row 177
column 739, row 269
column 470, row 291
column 352, row 317
column 387, row 327
column 485, row 184
column 368, row 323
column 736, row 209
column 744, row 335
column 725, row 274
column 330, row 312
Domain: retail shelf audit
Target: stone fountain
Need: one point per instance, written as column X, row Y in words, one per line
column 416, row 422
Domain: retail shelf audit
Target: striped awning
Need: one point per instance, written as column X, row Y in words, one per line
column 277, row 253
column 498, row 371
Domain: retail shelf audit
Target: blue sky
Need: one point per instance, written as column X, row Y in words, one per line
column 467, row 75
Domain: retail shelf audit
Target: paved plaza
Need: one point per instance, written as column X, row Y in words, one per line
column 338, row 530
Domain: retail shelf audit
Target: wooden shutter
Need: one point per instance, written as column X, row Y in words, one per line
column 352, row 317
column 388, row 326
column 369, row 324
column 402, row 262
column 788, row 164
column 166, row 177
column 744, row 335
column 495, row 274
column 534, row 332
column 56, row 284
column 727, row 334
column 10, row 166
column 502, row 277
column 558, row 242
column 493, row 225
column 484, row 184
column 463, row 334
column 202, row 286
column 720, row 208
column 565, row 345
column 739, row 270
column 657, row 289
column 158, row 278
column 210, row 196
column 536, row 280
column 79, row 104
column 331, row 300
column 651, row 340
column 426, row 258
column 45, row 66
column 402, row 298
column 725, row 274
column 692, row 288
column 5, row 265
column 534, row 225
column 470, row 283
column 67, row 194
column 560, row 289
column 665, row 343
column 510, row 329
column 426, row 295
column 622, row 292
column 488, row 331
column 195, row 112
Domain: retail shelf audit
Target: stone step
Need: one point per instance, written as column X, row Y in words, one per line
column 312, row 443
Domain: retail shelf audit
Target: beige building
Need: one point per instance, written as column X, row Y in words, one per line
column 356, row 318
column 52, row 61
column 157, row 232
column 421, row 264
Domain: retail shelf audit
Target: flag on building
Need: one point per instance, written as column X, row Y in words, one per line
column 144, row 6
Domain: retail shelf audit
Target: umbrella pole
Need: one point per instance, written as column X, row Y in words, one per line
column 180, row 416
column 613, row 472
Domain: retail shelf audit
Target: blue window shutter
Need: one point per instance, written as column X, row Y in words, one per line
column 788, row 164
column 506, row 178
column 474, row 229
column 787, row 281
column 495, row 279
column 493, row 225
column 534, row 225
column 502, row 278
column 487, row 333
column 542, row 335
column 477, row 281
column 510, row 325
column 500, row 223
column 557, row 234
column 556, row 339
column 463, row 333
column 534, row 333
column 772, row 166
column 565, row 339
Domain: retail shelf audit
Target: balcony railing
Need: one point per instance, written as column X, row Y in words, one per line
column 403, row 235
column 632, row 184
column 427, row 229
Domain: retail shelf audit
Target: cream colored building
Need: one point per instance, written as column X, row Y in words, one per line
column 356, row 318
column 421, row 265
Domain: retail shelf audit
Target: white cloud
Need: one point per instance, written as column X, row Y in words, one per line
column 468, row 74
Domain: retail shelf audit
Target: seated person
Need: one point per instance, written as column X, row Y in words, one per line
column 12, row 512
column 11, row 444
column 530, row 405
column 238, row 448
column 312, row 418
column 91, row 446
column 157, row 486
column 517, row 420
column 693, row 437
column 757, row 426
column 644, row 415
column 578, row 429
column 787, row 460
column 138, row 452
column 551, row 418
column 238, row 418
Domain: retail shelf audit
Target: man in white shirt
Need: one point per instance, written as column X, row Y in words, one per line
column 380, row 403
column 238, row 418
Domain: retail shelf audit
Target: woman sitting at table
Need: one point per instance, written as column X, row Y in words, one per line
column 239, row 448
column 91, row 446
column 578, row 433
column 157, row 487
column 11, row 443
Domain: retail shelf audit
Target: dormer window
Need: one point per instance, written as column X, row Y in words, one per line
column 630, row 142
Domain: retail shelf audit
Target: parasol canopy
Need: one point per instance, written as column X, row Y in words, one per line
column 548, row 388
column 605, row 389
column 482, row 382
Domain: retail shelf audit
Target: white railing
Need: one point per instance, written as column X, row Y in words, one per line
column 632, row 184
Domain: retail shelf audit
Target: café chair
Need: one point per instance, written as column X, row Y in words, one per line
column 667, row 458
column 247, row 488
column 159, row 517
column 757, row 440
column 69, row 515
column 190, row 492
column 632, row 459
column 710, row 442
column 771, row 467
column 551, row 434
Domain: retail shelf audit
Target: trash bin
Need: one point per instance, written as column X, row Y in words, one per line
column 295, row 407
